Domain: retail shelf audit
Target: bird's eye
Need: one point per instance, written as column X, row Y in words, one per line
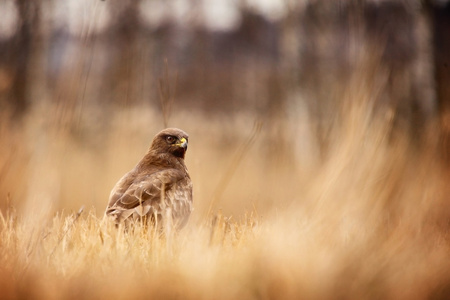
column 170, row 139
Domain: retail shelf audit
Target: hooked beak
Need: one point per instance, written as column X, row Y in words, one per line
column 183, row 143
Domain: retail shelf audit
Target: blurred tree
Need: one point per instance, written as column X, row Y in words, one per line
column 387, row 42
column 15, row 56
column 125, row 35
column 440, row 14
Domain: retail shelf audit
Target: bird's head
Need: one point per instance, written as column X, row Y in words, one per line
column 171, row 140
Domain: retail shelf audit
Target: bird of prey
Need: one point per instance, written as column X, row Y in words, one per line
column 158, row 189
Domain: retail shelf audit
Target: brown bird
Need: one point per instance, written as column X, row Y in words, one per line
column 158, row 189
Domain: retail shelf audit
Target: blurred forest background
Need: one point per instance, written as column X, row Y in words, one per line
column 82, row 82
column 319, row 147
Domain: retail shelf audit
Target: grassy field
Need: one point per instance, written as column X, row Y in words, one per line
column 272, row 219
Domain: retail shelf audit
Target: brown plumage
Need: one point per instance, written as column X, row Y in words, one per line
column 158, row 189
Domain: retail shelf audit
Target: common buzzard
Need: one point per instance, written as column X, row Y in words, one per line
column 158, row 189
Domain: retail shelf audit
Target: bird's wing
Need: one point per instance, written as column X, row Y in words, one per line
column 146, row 188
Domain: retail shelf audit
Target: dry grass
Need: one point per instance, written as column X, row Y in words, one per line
column 371, row 221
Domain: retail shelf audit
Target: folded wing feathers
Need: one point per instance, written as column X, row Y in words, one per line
column 144, row 198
